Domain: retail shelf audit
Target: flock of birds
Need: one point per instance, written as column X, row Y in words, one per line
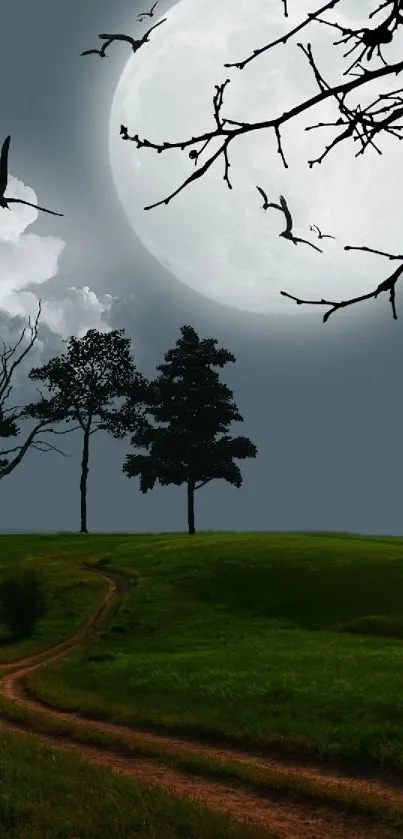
column 135, row 45
column 287, row 233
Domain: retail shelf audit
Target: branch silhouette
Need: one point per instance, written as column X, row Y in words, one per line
column 110, row 38
column 284, row 38
column 283, row 207
column 9, row 360
column 4, row 199
column 361, row 124
column 389, row 284
column 150, row 14
column 364, row 125
column 369, row 39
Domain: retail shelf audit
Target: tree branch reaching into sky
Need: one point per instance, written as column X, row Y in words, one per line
column 363, row 125
column 9, row 361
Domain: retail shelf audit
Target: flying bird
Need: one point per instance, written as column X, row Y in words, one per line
column 5, row 200
column 142, row 15
column 320, row 234
column 100, row 52
column 265, row 204
column 109, row 38
column 283, row 207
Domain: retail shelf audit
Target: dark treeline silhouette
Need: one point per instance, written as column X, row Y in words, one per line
column 363, row 124
column 181, row 419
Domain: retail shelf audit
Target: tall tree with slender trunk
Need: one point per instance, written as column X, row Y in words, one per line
column 87, row 380
column 193, row 409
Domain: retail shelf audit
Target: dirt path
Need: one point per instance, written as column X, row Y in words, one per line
column 289, row 819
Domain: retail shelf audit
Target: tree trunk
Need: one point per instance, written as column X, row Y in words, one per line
column 83, row 482
column 191, row 506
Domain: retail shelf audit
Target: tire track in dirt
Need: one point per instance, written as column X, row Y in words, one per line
column 271, row 810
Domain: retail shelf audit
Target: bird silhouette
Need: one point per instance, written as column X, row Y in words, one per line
column 5, row 200
column 142, row 15
column 283, row 208
column 265, row 204
column 320, row 234
column 100, row 52
column 108, row 38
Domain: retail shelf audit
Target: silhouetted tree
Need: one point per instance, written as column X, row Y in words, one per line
column 9, row 416
column 360, row 122
column 196, row 408
column 86, row 381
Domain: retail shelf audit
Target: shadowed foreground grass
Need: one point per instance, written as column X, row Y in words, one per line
column 290, row 641
column 64, row 797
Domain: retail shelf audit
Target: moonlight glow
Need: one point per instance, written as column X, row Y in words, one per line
column 219, row 241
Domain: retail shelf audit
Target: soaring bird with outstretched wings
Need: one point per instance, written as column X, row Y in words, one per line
column 143, row 15
column 283, row 208
column 102, row 51
column 108, row 38
column 5, row 200
column 319, row 232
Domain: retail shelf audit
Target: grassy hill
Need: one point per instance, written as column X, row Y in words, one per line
column 290, row 641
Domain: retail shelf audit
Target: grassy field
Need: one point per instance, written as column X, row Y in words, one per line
column 67, row 798
column 73, row 593
column 290, row 641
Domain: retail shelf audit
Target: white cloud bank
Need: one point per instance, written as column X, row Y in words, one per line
column 29, row 258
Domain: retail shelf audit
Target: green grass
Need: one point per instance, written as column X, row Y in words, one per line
column 65, row 797
column 264, row 781
column 73, row 593
column 290, row 641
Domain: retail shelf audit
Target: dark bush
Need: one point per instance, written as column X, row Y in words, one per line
column 100, row 657
column 22, row 601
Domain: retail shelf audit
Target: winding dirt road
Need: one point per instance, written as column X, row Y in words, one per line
column 288, row 817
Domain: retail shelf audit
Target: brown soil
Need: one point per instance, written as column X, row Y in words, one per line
column 288, row 817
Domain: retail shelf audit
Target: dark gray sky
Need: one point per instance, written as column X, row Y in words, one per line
column 323, row 402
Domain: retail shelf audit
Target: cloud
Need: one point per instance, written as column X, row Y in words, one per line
column 77, row 312
column 28, row 259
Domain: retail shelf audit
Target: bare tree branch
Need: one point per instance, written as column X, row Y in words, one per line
column 7, row 467
column 387, row 285
column 363, row 125
column 7, row 353
column 9, row 361
column 284, row 38
column 339, row 92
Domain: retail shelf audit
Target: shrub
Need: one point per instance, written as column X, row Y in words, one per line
column 22, row 601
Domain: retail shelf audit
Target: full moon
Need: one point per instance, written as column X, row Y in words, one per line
column 219, row 241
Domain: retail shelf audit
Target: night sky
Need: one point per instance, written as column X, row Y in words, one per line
column 322, row 402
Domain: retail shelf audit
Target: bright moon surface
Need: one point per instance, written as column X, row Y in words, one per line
column 218, row 241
